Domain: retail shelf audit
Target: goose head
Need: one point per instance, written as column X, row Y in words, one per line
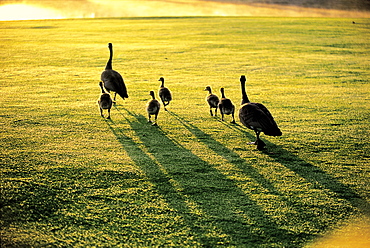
column 152, row 94
column 162, row 80
column 243, row 79
column 101, row 87
column 222, row 90
column 208, row 88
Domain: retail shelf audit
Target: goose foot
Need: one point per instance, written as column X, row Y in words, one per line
column 108, row 117
column 233, row 122
column 154, row 124
column 260, row 144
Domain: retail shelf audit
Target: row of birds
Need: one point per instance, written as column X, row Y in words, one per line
column 254, row 116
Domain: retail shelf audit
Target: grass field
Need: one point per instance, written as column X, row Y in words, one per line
column 70, row 178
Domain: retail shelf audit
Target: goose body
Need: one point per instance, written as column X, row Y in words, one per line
column 226, row 106
column 164, row 93
column 257, row 117
column 112, row 80
column 212, row 100
column 152, row 107
column 104, row 101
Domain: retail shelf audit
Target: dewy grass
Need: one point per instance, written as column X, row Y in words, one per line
column 72, row 178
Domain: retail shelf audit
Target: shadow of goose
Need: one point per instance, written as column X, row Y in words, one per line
column 222, row 204
column 308, row 171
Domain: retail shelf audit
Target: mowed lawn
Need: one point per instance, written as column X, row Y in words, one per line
column 70, row 178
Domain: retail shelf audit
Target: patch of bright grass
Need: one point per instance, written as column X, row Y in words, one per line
column 71, row 178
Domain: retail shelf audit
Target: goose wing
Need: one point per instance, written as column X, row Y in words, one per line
column 113, row 81
column 257, row 117
column 153, row 106
column 213, row 100
column 226, row 105
column 105, row 101
column 165, row 94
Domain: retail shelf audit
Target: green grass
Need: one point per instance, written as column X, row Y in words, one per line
column 71, row 178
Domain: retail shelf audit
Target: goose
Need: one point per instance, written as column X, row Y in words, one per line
column 257, row 117
column 112, row 80
column 165, row 94
column 226, row 106
column 212, row 100
column 153, row 107
column 104, row 101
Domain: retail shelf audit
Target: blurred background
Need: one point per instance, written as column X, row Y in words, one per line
column 57, row 9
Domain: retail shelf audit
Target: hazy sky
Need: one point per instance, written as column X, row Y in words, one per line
column 46, row 9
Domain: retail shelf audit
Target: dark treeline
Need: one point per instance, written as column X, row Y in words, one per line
column 325, row 4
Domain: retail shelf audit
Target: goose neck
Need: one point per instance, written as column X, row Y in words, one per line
column 109, row 63
column 245, row 98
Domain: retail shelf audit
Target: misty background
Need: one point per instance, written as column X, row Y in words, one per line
column 133, row 8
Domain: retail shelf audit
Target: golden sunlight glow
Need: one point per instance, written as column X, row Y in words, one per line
column 355, row 234
column 145, row 8
column 27, row 12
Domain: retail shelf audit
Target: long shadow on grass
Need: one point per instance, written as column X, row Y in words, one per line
column 317, row 176
column 222, row 205
column 310, row 172
column 228, row 154
column 156, row 176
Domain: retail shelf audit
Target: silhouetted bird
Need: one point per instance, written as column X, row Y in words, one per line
column 256, row 116
column 164, row 93
column 112, row 80
column 212, row 100
column 153, row 107
column 104, row 101
column 226, row 106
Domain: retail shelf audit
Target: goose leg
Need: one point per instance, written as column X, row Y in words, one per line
column 260, row 144
column 155, row 120
column 164, row 104
column 257, row 138
column 149, row 120
column 222, row 115
column 101, row 112
column 210, row 110
column 233, row 121
column 108, row 114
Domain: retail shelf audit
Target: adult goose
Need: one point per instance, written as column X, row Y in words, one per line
column 112, row 80
column 104, row 101
column 164, row 93
column 257, row 117
column 226, row 106
column 212, row 100
column 153, row 107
